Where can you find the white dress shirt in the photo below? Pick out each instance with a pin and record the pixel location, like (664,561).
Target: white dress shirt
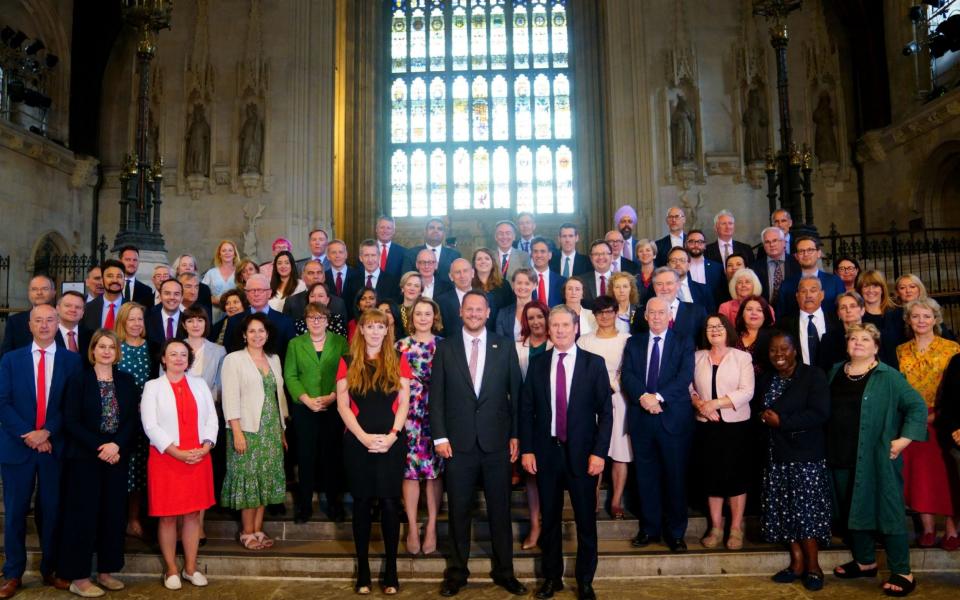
(65,331)
(51,351)
(427,291)
(674,307)
(568,363)
(676,240)
(698,270)
(460,295)
(436,251)
(819,321)
(726,249)
(106,309)
(500,255)
(546,284)
(374,275)
(129,283)
(572,257)
(684,293)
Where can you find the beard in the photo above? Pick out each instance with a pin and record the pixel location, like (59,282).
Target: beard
(626,231)
(695,253)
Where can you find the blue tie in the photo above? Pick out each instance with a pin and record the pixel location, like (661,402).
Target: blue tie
(653,371)
(813,340)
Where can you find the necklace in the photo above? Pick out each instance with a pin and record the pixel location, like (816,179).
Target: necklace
(856,378)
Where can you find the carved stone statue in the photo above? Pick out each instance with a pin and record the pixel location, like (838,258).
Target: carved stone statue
(198,144)
(251,142)
(250,235)
(683,132)
(755,123)
(825,137)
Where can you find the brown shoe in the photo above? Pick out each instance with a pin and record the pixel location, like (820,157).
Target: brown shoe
(55,582)
(8,587)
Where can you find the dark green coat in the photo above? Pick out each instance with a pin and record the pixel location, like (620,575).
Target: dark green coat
(891,409)
(304,373)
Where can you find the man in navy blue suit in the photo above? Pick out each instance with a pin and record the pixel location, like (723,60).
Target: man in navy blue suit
(549,289)
(70,333)
(450,301)
(566,418)
(774,266)
(703,270)
(433,239)
(390,253)
(678,259)
(808,253)
(676,219)
(257,290)
(17,334)
(386,286)
(32,382)
(657,371)
(686,318)
(566,260)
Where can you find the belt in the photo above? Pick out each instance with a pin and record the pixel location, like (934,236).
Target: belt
(556,441)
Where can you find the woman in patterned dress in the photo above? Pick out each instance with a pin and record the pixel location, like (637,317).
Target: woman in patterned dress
(422,462)
(794,405)
(927,483)
(255,409)
(135,361)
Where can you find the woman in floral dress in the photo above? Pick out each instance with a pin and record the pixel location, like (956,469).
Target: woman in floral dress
(135,361)
(422,463)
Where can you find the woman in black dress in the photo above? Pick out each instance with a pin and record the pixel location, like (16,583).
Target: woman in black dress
(373,398)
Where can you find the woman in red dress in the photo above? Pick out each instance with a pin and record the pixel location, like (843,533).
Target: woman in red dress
(180,421)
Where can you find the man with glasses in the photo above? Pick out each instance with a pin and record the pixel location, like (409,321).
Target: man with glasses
(619,262)
(17,334)
(432,286)
(689,291)
(296,304)
(686,318)
(597,282)
(257,290)
(703,270)
(782,220)
(774,265)
(676,219)
(808,253)
(433,237)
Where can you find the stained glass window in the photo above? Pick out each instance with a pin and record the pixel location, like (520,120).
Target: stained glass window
(480,107)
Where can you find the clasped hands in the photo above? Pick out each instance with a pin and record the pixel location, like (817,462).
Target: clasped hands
(703,407)
(651,403)
(378,443)
(38,440)
(109,453)
(319,403)
(191,457)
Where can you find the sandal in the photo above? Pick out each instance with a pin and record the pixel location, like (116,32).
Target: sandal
(250,541)
(906,586)
(617,513)
(852,570)
(712,539)
(391,590)
(735,541)
(363,590)
(264,539)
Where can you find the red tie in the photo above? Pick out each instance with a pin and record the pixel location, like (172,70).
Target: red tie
(383,257)
(369,281)
(504,264)
(72,342)
(111,317)
(340,283)
(541,290)
(42,390)
(603,285)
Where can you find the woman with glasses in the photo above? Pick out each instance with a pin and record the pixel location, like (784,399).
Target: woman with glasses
(848,270)
(317,292)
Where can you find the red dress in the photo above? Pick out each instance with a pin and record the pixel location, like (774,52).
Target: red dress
(173,486)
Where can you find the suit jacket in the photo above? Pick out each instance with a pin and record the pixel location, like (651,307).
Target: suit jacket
(17,333)
(590,290)
(804,408)
(676,374)
(82,411)
(157,329)
(296,304)
(791,270)
(158,412)
(581,264)
(716,280)
(688,323)
(93,312)
(395,257)
(506,321)
(702,296)
(589,410)
(712,252)
(18,402)
(832,287)
(628,266)
(205,298)
(233,338)
(664,245)
(352,282)
(83,341)
(143,294)
(440,286)
(457,413)
(554,289)
(447,256)
(791,324)
(518,259)
(387,288)
(449,305)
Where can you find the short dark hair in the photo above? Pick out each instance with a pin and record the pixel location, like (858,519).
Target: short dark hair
(727,327)
(127,248)
(174,340)
(741,325)
(676,249)
(194,311)
(228,294)
(816,241)
(92,267)
(271,344)
(568,225)
(604,302)
(740,256)
(540,240)
(73,293)
(172,279)
(693,231)
(112,262)
(596,243)
(475,293)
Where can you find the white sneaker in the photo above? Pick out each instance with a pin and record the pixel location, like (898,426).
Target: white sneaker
(198,579)
(172,582)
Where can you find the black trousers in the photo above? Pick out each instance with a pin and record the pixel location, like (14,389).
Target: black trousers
(94,517)
(319,454)
(463,472)
(553,477)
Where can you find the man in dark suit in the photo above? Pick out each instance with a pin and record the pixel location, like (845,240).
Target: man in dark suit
(808,253)
(93,283)
(782,220)
(527,226)
(342,281)
(686,318)
(625,219)
(597,282)
(567,261)
(102,311)
(705,271)
(386,285)
(774,265)
(810,322)
(657,371)
(32,384)
(461,272)
(474,393)
(549,288)
(163,320)
(618,261)
(296,304)
(40,290)
(318,248)
(432,285)
(678,259)
(433,237)
(71,335)
(390,253)
(566,418)
(676,219)
(132,288)
(257,290)
(718,251)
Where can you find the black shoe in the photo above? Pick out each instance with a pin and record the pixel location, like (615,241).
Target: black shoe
(449,588)
(336,513)
(276,510)
(677,545)
(644,539)
(585,592)
(548,589)
(513,586)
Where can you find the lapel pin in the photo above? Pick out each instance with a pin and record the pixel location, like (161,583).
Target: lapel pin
(493,345)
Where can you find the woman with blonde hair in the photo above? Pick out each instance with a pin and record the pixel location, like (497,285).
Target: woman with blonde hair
(411,285)
(221,276)
(742,285)
(646,254)
(623,289)
(373,399)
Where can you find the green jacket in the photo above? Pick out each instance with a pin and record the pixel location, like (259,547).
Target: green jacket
(304,373)
(891,409)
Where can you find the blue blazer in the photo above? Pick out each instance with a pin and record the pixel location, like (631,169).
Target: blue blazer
(505,321)
(791,270)
(157,329)
(689,322)
(233,338)
(589,410)
(554,289)
(832,287)
(702,296)
(664,245)
(716,278)
(18,402)
(676,373)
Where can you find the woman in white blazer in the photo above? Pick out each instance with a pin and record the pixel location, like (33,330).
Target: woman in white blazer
(180,421)
(255,409)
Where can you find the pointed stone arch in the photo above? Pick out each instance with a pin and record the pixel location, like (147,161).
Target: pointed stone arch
(938,186)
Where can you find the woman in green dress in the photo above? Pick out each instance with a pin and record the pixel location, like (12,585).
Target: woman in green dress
(255,409)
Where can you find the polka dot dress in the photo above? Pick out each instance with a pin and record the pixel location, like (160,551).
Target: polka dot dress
(136,362)
(795,502)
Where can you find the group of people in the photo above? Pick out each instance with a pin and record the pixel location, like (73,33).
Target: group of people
(826,397)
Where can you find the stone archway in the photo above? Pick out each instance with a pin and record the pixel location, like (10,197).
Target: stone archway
(938,186)
(51,244)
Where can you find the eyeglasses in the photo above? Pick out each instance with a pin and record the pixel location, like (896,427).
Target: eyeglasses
(696,242)
(715,328)
(846,269)
(806,251)
(256,290)
(316,319)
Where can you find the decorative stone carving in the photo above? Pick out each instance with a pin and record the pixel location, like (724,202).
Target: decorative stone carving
(197,159)
(251,142)
(198,90)
(756,123)
(84,172)
(692,210)
(825,138)
(683,133)
(252,87)
(250,235)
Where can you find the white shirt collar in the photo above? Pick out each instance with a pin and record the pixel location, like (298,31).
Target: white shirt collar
(50,350)
(375,274)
